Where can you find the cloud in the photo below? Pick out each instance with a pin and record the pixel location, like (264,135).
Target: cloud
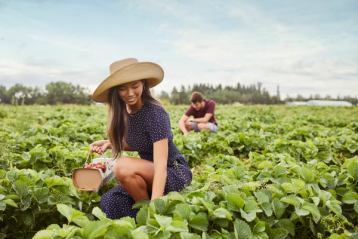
(262,49)
(12,72)
(202,42)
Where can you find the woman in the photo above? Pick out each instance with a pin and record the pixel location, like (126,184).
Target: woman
(137,122)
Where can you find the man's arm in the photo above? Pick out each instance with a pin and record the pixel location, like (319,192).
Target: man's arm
(204,119)
(209,113)
(182,122)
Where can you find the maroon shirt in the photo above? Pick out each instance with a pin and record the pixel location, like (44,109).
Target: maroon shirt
(208,108)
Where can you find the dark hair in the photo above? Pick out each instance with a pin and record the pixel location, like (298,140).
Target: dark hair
(196,97)
(118,116)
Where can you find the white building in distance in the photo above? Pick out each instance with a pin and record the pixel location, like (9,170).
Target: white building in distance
(321,103)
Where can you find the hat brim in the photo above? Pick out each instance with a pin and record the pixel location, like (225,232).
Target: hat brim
(148,71)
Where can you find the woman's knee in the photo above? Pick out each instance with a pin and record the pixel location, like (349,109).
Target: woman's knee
(122,170)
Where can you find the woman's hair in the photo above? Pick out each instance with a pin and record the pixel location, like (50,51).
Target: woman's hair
(118,116)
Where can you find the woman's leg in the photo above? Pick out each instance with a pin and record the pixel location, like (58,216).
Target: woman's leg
(117,203)
(135,175)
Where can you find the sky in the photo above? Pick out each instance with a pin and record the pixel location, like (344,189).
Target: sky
(304,47)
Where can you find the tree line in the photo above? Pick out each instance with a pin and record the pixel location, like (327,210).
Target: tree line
(55,93)
(252,94)
(66,93)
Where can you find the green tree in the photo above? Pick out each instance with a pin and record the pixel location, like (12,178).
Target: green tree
(66,93)
(4,97)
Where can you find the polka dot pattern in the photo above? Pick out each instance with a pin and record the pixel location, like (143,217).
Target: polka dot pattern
(148,125)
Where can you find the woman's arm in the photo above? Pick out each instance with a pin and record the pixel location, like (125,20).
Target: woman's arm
(126,147)
(160,160)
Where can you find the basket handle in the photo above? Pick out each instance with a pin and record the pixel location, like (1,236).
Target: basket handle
(88,157)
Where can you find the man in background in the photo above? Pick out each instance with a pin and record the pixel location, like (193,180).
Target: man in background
(202,111)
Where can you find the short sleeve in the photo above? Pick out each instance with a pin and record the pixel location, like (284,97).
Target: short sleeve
(159,125)
(190,111)
(211,107)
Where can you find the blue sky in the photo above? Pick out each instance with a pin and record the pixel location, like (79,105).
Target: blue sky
(305,47)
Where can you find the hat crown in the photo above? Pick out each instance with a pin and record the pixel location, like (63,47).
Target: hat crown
(117,65)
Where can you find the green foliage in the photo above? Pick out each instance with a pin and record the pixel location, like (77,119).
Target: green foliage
(252,94)
(56,93)
(270,172)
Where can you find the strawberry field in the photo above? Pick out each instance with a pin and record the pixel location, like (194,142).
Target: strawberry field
(270,172)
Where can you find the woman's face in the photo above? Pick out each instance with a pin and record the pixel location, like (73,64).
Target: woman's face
(131,93)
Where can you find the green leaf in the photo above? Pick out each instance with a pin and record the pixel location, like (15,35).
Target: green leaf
(187,235)
(55,181)
(266,206)
(10,202)
(175,196)
(183,210)
(298,184)
(265,165)
(334,206)
(350,197)
(288,187)
(207,204)
(163,221)
(288,225)
(235,201)
(21,188)
(96,229)
(260,226)
(313,209)
(249,217)
(278,233)
(141,203)
(352,167)
(139,233)
(142,216)
(278,207)
(261,197)
(121,228)
(99,214)
(301,212)
(292,200)
(339,236)
(41,194)
(178,226)
(251,205)
(242,230)
(199,222)
(307,174)
(2,206)
(222,213)
(44,234)
(159,206)
(73,215)
(315,200)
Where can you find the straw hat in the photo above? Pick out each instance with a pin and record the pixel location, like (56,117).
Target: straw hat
(125,71)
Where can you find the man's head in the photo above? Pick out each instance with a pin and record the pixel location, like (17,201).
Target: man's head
(197,100)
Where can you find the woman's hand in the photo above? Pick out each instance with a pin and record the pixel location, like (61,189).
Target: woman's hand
(100,146)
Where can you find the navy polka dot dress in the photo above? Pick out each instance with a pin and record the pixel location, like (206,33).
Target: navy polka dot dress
(148,125)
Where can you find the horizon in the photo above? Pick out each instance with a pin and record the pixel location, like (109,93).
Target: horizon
(305,48)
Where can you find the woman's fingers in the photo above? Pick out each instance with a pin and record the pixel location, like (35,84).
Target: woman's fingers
(99,147)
